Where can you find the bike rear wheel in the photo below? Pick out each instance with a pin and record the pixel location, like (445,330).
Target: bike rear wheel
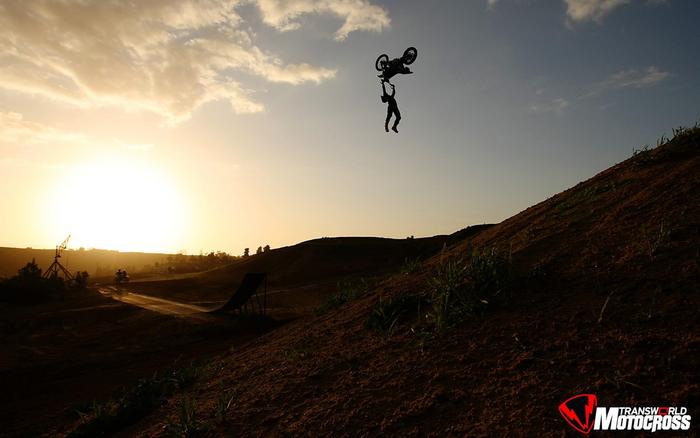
(409,55)
(381,62)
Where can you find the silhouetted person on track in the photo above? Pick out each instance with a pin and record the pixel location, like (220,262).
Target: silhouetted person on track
(392,107)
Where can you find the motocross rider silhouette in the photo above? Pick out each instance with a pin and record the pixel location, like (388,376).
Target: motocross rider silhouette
(392,107)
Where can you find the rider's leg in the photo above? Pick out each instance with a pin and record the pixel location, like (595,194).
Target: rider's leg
(389,112)
(397,113)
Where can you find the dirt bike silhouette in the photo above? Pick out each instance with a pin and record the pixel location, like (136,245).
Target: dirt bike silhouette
(389,69)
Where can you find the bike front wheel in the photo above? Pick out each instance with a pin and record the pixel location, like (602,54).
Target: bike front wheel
(381,62)
(409,55)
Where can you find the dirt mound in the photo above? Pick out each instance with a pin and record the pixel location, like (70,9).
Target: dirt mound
(605,301)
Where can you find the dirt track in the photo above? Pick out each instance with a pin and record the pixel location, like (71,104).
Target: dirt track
(154,304)
(201,308)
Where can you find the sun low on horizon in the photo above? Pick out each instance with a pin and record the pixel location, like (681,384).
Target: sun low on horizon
(218,125)
(118,204)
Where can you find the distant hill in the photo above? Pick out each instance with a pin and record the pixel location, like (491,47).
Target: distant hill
(95,261)
(318,263)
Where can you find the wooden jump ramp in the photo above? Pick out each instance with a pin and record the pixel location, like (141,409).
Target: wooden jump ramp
(246,298)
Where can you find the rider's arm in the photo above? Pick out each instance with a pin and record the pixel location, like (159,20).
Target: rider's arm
(393,91)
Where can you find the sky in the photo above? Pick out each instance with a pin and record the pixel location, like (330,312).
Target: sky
(184,125)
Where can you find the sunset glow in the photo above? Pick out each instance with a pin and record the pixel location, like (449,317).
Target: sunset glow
(217,125)
(119,204)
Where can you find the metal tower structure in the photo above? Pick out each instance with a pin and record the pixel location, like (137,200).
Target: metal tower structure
(56,267)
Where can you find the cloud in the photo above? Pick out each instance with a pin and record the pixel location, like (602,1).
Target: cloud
(356,14)
(591,10)
(165,56)
(637,79)
(491,4)
(632,78)
(557,106)
(14,128)
(578,11)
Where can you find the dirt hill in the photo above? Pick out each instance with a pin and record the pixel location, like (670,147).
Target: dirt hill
(303,275)
(593,290)
(94,261)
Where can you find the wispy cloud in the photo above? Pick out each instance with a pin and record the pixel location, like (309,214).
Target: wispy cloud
(591,10)
(556,106)
(14,128)
(165,56)
(579,11)
(632,78)
(357,15)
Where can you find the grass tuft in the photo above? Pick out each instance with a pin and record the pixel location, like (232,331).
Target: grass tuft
(347,291)
(410,265)
(460,289)
(133,404)
(685,141)
(223,403)
(387,313)
(187,424)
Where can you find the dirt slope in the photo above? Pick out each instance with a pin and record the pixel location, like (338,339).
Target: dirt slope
(628,236)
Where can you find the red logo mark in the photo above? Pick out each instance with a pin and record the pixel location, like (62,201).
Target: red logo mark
(578,411)
(663,411)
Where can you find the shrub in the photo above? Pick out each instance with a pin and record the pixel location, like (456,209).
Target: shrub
(28,286)
(30,271)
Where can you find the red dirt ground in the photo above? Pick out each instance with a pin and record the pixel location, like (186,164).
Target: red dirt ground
(57,357)
(505,372)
